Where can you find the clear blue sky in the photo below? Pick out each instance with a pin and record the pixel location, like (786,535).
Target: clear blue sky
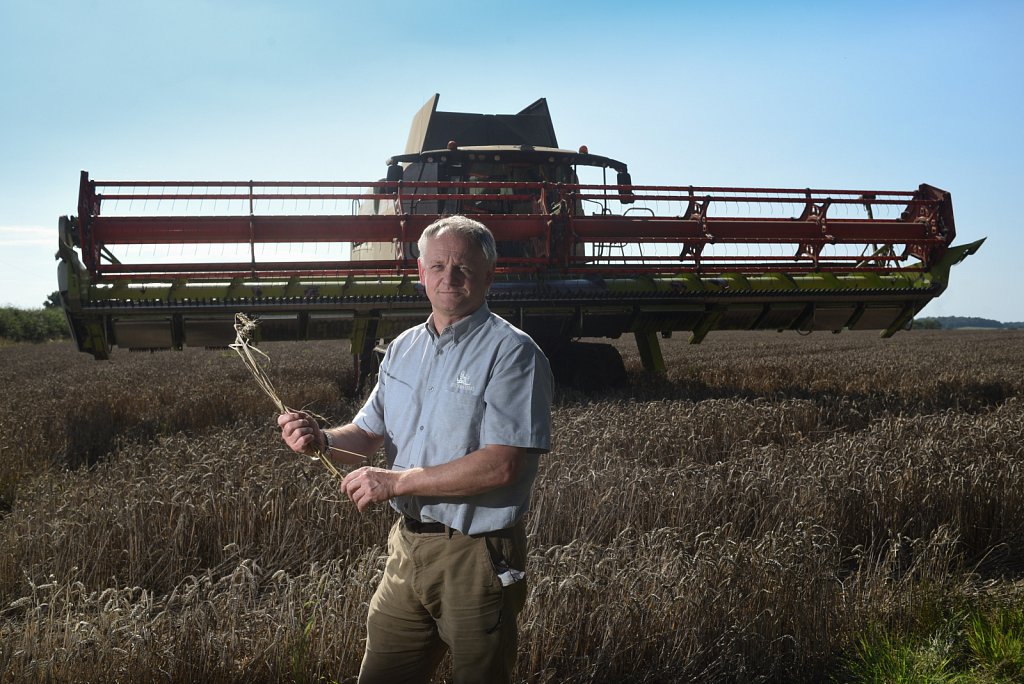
(879,95)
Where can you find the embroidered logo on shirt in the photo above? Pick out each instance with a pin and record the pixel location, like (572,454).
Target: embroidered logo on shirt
(463,383)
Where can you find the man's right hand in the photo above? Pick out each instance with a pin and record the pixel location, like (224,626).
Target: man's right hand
(301,433)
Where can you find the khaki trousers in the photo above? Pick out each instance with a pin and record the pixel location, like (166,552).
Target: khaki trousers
(441,592)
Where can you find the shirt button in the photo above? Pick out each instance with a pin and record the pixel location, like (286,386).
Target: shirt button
(430,389)
(421,428)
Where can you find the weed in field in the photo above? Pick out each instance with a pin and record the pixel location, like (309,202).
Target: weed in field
(996,643)
(986,645)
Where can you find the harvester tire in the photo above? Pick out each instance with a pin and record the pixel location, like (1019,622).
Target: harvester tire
(589,366)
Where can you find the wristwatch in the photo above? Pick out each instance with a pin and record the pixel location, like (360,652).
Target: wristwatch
(327,439)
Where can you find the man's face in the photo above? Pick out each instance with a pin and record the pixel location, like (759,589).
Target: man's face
(455,275)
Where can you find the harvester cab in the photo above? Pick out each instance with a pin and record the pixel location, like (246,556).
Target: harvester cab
(164,264)
(500,160)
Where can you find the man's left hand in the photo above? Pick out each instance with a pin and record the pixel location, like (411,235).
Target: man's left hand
(369,485)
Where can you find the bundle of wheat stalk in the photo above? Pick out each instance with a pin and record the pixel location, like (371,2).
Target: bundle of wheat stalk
(245,327)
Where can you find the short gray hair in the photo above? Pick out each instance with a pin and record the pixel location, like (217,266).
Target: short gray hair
(474,231)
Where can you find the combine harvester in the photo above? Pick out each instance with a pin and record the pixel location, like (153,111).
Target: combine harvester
(160,265)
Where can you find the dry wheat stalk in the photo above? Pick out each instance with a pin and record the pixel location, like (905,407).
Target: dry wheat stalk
(244,329)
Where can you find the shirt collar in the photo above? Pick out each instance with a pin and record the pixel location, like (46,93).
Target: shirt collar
(460,328)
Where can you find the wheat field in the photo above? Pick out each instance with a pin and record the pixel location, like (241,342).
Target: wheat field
(744,519)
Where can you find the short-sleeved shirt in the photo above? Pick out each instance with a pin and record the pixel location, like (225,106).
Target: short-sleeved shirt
(440,396)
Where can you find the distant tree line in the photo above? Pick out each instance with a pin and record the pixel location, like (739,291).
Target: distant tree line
(34,325)
(952,322)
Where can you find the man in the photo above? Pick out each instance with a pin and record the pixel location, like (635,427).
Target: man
(462,407)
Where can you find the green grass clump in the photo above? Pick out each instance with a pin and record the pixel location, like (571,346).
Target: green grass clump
(997,645)
(985,646)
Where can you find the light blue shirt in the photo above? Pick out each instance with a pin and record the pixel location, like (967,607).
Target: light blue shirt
(441,396)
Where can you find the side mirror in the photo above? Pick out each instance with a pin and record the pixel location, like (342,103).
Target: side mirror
(395,175)
(626,193)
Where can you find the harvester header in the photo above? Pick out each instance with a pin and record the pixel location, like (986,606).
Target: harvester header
(162,264)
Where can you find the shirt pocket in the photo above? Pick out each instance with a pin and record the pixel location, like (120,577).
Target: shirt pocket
(459,416)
